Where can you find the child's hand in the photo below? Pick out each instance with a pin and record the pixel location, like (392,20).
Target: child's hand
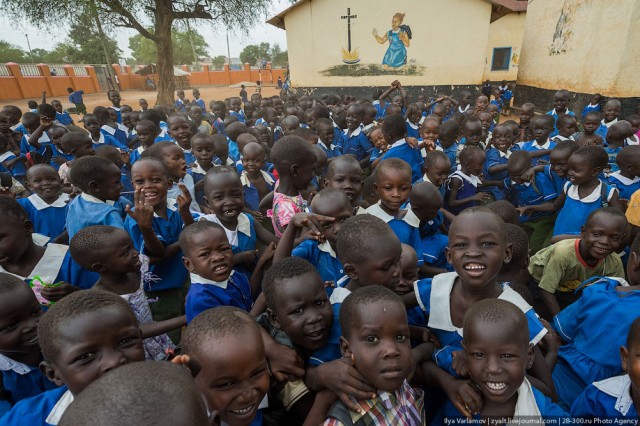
(528,176)
(59,160)
(311,221)
(186,361)
(184,200)
(143,213)
(465,397)
(45,121)
(412,142)
(459,363)
(267,253)
(523,211)
(429,337)
(481,197)
(342,378)
(257,215)
(284,363)
(53,294)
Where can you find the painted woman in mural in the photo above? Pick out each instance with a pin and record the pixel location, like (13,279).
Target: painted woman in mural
(399,37)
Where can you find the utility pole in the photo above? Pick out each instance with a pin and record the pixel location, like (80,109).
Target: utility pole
(228,51)
(29,45)
(193,49)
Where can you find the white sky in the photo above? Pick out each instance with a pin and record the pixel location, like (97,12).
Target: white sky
(14,33)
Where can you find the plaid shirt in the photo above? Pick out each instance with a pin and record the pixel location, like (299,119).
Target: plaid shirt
(404,407)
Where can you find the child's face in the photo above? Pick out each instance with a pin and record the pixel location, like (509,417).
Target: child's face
(144,105)
(234,377)
(439,171)
(56,135)
(114,97)
(220,111)
(225,197)
(603,234)
(481,103)
(560,162)
(209,255)
(253,161)
(382,266)
(591,123)
(610,112)
(393,187)
(560,101)
(346,177)
(5,123)
(57,106)
(430,130)
(289,128)
(45,182)
(196,94)
(414,115)
(180,94)
(477,249)
(119,254)
(398,100)
(337,210)
(195,114)
(83,149)
(580,171)
(146,135)
(152,180)
(486,119)
(325,134)
(173,159)
(93,344)
(541,131)
(303,311)
(498,358)
(493,110)
(409,268)
(474,165)
(517,170)
(180,131)
(354,118)
(567,129)
(203,150)
(472,133)
(465,99)
(370,116)
(526,114)
(378,140)
(110,186)
(92,125)
(113,116)
(379,344)
(501,138)
(235,105)
(20,313)
(265,135)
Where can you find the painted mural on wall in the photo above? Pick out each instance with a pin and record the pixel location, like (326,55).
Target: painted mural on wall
(395,59)
(564,26)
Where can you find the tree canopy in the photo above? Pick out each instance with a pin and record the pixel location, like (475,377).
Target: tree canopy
(218,62)
(254,53)
(10,53)
(144,50)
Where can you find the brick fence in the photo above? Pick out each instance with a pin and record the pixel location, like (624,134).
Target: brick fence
(20,81)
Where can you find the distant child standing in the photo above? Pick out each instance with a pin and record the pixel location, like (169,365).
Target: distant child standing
(62,116)
(593,105)
(394,132)
(541,146)
(610,114)
(495,166)
(75,97)
(527,112)
(353,141)
(243,93)
(181,103)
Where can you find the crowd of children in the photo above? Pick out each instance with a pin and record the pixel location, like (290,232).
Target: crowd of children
(319,260)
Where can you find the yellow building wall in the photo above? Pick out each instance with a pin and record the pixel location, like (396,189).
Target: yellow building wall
(582,45)
(505,32)
(448,44)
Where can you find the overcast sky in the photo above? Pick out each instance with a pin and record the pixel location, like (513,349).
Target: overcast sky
(14,33)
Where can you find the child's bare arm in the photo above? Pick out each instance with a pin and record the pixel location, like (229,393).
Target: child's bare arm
(558,203)
(544,207)
(455,186)
(143,215)
(283,360)
(321,406)
(615,202)
(497,168)
(262,234)
(45,123)
(386,93)
(156,328)
(299,221)
(342,378)
(184,201)
(267,202)
(550,301)
(540,369)
(463,393)
(427,271)
(259,306)
(539,153)
(256,277)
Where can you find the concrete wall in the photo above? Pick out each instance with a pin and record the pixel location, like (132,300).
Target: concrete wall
(448,44)
(18,86)
(584,46)
(505,32)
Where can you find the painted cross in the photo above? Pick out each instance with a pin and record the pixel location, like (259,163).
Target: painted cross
(349,17)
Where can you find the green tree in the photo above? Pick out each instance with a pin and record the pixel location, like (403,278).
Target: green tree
(230,14)
(255,52)
(279,58)
(11,53)
(144,50)
(87,45)
(218,62)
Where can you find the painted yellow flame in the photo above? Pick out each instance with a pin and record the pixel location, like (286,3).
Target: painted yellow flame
(350,56)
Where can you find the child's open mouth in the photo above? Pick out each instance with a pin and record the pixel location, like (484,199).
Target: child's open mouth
(474,269)
(230,213)
(243,411)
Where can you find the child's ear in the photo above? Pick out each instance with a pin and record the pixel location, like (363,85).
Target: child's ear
(28,226)
(344,348)
(596,171)
(94,186)
(583,230)
(50,372)
(170,182)
(273,319)
(294,170)
(530,356)
(447,254)
(98,267)
(187,263)
(624,357)
(350,271)
(325,183)
(508,251)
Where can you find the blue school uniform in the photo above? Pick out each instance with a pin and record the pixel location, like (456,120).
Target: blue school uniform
(47,219)
(22,381)
(174,192)
(558,182)
(199,102)
(495,157)
(532,407)
(243,238)
(239,115)
(170,273)
(594,327)
(322,257)
(626,187)
(606,399)
(533,146)
(18,170)
(234,152)
(402,150)
(612,153)
(406,229)
(205,294)
(554,114)
(451,152)
(64,118)
(496,103)
(432,242)
(332,151)
(135,154)
(197,174)
(433,297)
(575,210)
(468,189)
(45,409)
(56,265)
(413,130)
(604,128)
(108,139)
(44,141)
(442,189)
(219,126)
(356,144)
(218,162)
(87,210)
(331,350)
(118,113)
(251,195)
(180,105)
(590,108)
(540,191)
(119,135)
(57,154)
(127,185)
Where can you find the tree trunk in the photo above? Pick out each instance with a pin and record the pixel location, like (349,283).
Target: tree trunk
(164,46)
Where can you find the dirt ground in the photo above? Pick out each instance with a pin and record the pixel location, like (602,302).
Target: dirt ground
(131,97)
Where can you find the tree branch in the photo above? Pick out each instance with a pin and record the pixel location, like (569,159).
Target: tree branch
(126,18)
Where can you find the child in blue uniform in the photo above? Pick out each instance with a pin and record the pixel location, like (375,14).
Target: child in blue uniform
(594,328)
(410,274)
(146,133)
(567,126)
(99,138)
(235,111)
(495,166)
(353,141)
(627,179)
(100,182)
(47,206)
(426,205)
(616,397)
(9,162)
(181,103)
(412,121)
(209,260)
(62,116)
(585,192)
(326,136)
(181,133)
(498,355)
(560,108)
(256,182)
(110,128)
(345,174)
(394,132)
(462,189)
(203,149)
(610,114)
(19,353)
(393,183)
(85,319)
(114,98)
(75,97)
(37,265)
(594,105)
(540,147)
(534,200)
(447,141)
(225,199)
(333,207)
(234,130)
(477,250)
(616,139)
